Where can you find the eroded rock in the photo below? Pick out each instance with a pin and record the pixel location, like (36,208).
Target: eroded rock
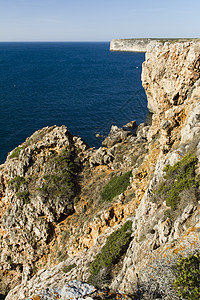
(115,136)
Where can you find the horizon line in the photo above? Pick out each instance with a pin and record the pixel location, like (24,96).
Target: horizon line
(98,41)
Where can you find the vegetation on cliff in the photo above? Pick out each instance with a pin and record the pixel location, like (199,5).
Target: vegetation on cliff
(16,152)
(187,281)
(116,186)
(59,180)
(116,245)
(179,178)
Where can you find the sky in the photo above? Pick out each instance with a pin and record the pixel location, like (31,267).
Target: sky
(97,20)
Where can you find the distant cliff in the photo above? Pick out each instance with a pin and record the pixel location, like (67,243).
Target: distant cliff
(131,45)
(140,45)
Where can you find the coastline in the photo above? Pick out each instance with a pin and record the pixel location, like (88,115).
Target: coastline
(143,44)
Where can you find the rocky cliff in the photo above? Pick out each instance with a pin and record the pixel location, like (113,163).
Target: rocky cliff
(119,217)
(142,44)
(132,45)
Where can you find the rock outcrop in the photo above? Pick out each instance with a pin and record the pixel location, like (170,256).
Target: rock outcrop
(170,82)
(63,204)
(172,85)
(132,45)
(38,186)
(141,44)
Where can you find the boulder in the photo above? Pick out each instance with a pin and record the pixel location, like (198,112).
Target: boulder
(116,135)
(101,157)
(131,124)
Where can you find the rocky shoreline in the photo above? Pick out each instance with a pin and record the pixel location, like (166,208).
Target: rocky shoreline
(64,205)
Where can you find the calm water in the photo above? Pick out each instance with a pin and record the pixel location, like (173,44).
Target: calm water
(81,85)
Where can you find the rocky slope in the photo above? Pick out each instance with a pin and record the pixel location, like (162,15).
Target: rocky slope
(118,217)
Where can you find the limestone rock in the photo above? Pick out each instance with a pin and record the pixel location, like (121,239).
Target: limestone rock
(72,290)
(35,195)
(131,124)
(168,73)
(142,131)
(191,130)
(78,290)
(101,157)
(115,136)
(132,45)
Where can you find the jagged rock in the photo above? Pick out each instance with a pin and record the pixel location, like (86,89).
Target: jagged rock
(78,290)
(142,131)
(98,135)
(56,278)
(101,157)
(166,124)
(115,136)
(191,130)
(164,229)
(72,290)
(157,241)
(35,195)
(168,73)
(131,124)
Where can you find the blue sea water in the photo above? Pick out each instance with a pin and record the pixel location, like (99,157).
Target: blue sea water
(81,85)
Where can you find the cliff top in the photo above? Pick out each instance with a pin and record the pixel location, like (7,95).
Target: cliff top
(143,44)
(174,40)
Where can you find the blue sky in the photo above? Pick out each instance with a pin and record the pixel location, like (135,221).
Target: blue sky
(97,20)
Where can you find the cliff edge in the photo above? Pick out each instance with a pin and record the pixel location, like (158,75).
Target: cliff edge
(142,44)
(131,45)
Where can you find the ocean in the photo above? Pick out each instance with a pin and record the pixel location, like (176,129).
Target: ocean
(81,85)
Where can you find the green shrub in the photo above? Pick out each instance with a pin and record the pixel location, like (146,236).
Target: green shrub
(187,280)
(62,256)
(60,176)
(24,196)
(16,152)
(68,268)
(17,182)
(168,214)
(116,186)
(179,177)
(116,245)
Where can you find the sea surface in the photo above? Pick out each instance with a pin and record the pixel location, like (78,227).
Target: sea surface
(81,85)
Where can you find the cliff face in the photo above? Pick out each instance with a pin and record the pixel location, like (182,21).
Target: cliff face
(142,44)
(169,82)
(132,45)
(58,218)
(38,185)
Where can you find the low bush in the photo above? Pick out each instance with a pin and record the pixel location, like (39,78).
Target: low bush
(116,186)
(116,245)
(24,196)
(17,182)
(59,179)
(16,152)
(179,177)
(187,282)
(68,268)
